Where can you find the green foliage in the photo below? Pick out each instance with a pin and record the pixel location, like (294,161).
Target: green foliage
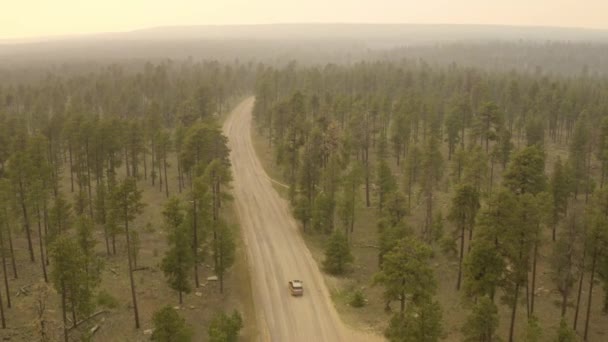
(535,132)
(438,227)
(337,254)
(502,149)
(224,328)
(302,210)
(465,205)
(386,182)
(348,197)
(126,200)
(448,246)
(178,261)
(60,218)
(224,248)
(487,123)
(357,299)
(135,245)
(323,213)
(69,275)
(526,172)
(565,333)
(420,323)
(173,214)
(483,269)
(170,327)
(203,143)
(87,242)
(476,168)
(579,152)
(533,331)
(560,188)
(106,300)
(405,272)
(482,323)
(389,236)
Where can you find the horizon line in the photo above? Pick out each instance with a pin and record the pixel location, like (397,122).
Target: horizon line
(76,35)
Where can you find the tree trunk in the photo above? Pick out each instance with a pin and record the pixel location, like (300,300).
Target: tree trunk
(534,276)
(402,297)
(166,181)
(2,313)
(4,273)
(195,243)
(145,163)
(26,221)
(133,294)
(71,167)
(41,243)
(589,300)
(65,317)
(89,179)
(367,199)
(160,174)
(221,271)
(564,301)
(152,174)
(127,167)
(45,213)
(10,246)
(106,236)
(114,244)
(179,175)
(461,257)
(513,313)
(580,291)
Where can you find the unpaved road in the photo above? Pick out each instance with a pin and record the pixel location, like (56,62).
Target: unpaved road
(276,251)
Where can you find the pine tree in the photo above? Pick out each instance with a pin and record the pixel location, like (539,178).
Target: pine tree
(420,323)
(223,250)
(170,327)
(70,279)
(465,205)
(481,325)
(405,273)
(565,333)
(126,203)
(224,328)
(559,187)
(337,254)
(178,260)
(348,198)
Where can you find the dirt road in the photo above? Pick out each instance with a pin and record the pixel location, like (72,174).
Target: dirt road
(277,252)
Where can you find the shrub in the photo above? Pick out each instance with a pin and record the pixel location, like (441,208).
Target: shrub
(224,328)
(357,300)
(106,300)
(169,326)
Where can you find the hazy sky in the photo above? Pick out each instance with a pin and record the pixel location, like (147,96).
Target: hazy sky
(29,18)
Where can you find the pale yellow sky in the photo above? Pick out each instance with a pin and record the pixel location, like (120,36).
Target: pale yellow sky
(31,18)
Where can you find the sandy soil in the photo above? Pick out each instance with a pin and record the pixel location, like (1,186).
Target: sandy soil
(276,251)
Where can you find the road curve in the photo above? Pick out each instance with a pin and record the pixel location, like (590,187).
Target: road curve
(276,251)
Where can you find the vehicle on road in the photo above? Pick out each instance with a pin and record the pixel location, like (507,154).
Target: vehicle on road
(296,287)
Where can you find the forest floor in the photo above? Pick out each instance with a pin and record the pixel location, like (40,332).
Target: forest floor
(117,323)
(364,248)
